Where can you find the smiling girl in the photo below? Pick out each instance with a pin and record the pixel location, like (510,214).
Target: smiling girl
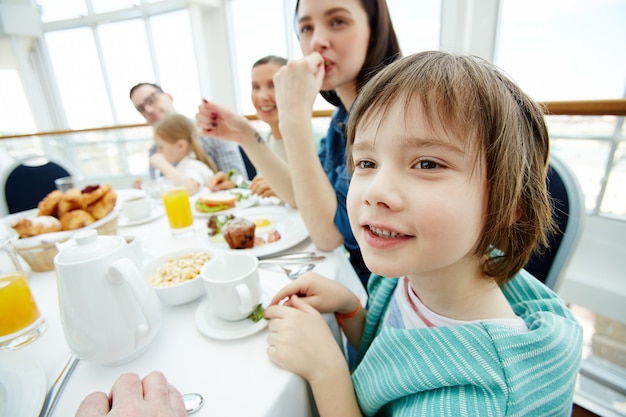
(448,195)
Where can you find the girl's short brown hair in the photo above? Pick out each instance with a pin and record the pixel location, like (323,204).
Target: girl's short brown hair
(471,98)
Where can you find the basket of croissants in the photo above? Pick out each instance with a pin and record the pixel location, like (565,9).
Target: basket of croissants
(58,216)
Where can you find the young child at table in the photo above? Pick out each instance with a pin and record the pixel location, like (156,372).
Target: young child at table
(179,154)
(448,193)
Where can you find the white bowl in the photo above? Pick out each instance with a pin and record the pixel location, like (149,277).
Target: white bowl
(184,292)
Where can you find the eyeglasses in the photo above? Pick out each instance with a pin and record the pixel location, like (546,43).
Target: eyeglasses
(149,101)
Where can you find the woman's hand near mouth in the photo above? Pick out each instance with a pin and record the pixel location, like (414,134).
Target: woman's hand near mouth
(297,85)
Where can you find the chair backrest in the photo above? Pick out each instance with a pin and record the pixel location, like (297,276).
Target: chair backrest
(569,213)
(30,181)
(251,170)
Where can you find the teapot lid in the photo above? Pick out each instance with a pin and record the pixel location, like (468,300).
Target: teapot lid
(89,246)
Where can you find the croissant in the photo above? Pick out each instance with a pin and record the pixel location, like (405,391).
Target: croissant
(34,226)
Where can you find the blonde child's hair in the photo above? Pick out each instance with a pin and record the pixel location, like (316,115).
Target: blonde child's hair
(176,126)
(470,98)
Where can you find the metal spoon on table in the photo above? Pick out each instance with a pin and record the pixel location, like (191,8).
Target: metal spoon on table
(285,261)
(193,402)
(294,271)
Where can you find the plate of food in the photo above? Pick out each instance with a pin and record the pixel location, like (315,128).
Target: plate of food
(259,230)
(206,204)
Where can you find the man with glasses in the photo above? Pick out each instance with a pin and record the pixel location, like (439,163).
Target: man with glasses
(153,103)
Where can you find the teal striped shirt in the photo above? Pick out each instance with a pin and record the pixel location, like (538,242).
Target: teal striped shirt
(478,369)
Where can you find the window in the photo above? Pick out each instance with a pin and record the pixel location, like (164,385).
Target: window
(16,116)
(125,63)
(52,10)
(417,24)
(570,51)
(79,78)
(175,60)
(95,61)
(269,38)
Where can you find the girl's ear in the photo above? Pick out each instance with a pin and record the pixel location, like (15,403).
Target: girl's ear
(181,144)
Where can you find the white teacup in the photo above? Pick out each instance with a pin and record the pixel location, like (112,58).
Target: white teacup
(232,284)
(135,208)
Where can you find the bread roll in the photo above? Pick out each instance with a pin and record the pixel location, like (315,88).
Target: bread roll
(34,226)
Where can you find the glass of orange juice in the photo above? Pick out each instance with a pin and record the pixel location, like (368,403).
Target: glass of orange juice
(176,201)
(20,320)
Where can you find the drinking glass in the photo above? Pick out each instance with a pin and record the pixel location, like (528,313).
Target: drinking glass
(65,183)
(176,201)
(20,319)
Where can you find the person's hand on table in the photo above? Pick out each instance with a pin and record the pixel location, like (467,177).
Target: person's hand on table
(220,181)
(259,186)
(133,397)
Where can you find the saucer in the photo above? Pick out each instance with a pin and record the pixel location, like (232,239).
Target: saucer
(22,386)
(216,328)
(156,211)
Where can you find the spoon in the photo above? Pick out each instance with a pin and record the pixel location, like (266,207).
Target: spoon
(193,402)
(273,261)
(295,271)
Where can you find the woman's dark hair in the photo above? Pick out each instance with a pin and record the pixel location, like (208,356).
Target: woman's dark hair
(383,48)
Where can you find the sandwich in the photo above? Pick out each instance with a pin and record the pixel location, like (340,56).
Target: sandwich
(214,202)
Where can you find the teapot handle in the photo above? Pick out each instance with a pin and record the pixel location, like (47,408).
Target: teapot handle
(143,308)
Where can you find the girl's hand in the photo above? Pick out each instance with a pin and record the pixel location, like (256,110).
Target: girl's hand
(260,187)
(301,341)
(297,84)
(220,122)
(159,161)
(321,293)
(220,182)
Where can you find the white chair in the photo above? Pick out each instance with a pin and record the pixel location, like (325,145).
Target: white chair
(569,213)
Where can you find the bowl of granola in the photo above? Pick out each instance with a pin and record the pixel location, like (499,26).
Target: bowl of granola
(175,275)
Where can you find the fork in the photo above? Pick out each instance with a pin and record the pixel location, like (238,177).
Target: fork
(57,387)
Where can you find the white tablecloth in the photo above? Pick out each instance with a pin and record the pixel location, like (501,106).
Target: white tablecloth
(235,377)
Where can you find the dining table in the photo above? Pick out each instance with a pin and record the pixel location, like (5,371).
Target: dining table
(235,377)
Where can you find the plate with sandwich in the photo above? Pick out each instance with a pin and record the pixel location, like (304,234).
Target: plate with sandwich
(207,203)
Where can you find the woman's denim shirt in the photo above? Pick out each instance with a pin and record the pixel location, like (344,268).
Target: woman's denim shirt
(332,155)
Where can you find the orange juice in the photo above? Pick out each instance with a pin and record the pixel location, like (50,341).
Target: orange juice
(17,306)
(177,207)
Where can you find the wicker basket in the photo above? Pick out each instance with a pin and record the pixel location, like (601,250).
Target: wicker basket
(40,258)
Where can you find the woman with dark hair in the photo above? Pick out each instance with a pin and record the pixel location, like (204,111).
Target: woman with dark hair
(344,43)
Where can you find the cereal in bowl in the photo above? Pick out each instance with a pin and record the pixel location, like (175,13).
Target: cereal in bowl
(177,270)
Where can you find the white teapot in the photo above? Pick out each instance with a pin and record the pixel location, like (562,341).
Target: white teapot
(109,311)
